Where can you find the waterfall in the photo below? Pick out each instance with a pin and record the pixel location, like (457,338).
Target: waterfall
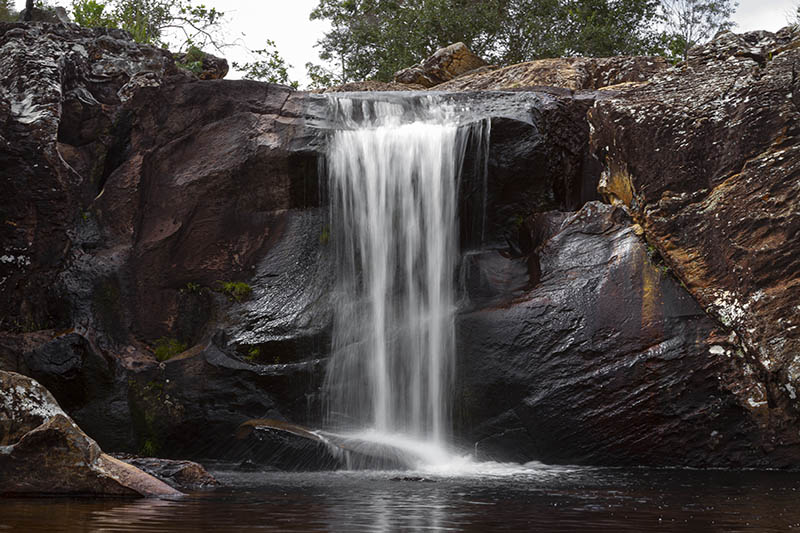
(394,169)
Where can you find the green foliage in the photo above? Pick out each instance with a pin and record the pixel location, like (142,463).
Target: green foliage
(325,236)
(691,22)
(153,412)
(193,60)
(253,354)
(193,288)
(320,77)
(7,12)
(656,259)
(167,348)
(267,65)
(92,14)
(375,38)
(149,448)
(235,290)
(148,20)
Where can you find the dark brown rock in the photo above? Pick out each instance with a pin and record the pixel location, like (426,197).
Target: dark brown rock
(607,360)
(706,158)
(202,64)
(445,64)
(182,475)
(43,452)
(58,94)
(568,72)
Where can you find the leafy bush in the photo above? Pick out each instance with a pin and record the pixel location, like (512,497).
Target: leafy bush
(167,348)
(147,20)
(267,65)
(193,60)
(235,290)
(92,14)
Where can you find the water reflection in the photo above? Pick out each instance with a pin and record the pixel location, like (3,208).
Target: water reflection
(539,499)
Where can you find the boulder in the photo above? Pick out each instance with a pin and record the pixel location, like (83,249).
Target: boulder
(181,475)
(42,451)
(286,446)
(202,64)
(191,405)
(706,159)
(445,64)
(567,72)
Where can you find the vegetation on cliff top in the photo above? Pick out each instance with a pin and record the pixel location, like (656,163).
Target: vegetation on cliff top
(7,13)
(372,39)
(148,20)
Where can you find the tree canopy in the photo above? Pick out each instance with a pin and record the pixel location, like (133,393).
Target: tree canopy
(690,22)
(372,39)
(267,65)
(148,20)
(7,12)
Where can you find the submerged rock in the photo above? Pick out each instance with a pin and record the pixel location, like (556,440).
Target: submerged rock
(42,451)
(182,475)
(287,446)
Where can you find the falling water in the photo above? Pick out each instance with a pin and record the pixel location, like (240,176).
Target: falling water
(394,170)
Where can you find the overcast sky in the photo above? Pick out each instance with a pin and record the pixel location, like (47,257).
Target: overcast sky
(251,22)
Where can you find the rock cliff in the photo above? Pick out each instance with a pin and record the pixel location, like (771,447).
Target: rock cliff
(165,268)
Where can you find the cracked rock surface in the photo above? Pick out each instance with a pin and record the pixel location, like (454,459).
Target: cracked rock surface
(706,157)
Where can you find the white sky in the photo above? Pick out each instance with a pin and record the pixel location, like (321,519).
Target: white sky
(251,22)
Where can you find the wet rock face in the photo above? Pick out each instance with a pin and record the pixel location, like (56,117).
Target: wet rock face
(42,451)
(213,166)
(706,158)
(191,405)
(607,360)
(58,91)
(136,192)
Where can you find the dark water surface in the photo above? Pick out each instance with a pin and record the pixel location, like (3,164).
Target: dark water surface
(533,499)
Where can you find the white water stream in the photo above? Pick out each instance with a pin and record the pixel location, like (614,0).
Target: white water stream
(394,171)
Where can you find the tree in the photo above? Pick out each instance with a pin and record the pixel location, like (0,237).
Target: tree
(375,38)
(148,20)
(92,14)
(690,22)
(321,77)
(7,13)
(268,65)
(28,10)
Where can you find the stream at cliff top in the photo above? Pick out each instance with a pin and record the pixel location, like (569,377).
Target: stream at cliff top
(530,498)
